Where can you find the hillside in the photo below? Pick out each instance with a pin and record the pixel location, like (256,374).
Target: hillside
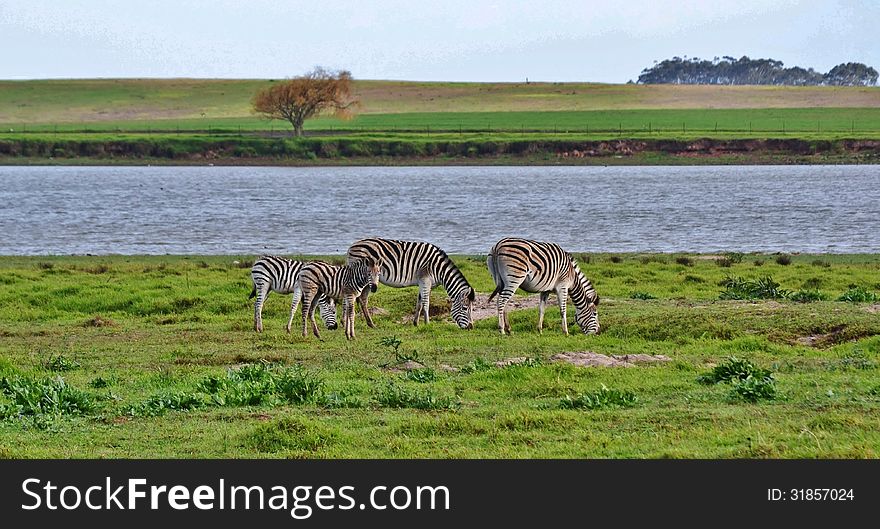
(130,100)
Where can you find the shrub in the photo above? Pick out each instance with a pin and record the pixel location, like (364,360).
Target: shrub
(394,396)
(858,295)
(421,375)
(615,259)
(158,405)
(60,363)
(807,296)
(821,263)
(734,257)
(50,397)
(733,369)
(753,389)
(476,365)
(641,295)
(763,288)
(263,384)
(602,398)
(724,262)
(783,259)
(758,262)
(684,261)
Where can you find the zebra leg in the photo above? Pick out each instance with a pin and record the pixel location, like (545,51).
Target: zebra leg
(262,293)
(362,301)
(312,309)
(562,294)
(503,298)
(541,305)
(308,298)
(423,302)
(348,315)
(294,303)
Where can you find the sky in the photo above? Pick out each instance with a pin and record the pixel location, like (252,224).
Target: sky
(455,40)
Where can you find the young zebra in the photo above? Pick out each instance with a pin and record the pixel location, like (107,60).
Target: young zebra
(270,273)
(409,263)
(541,267)
(343,283)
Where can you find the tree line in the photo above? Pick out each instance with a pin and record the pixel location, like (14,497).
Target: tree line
(730,71)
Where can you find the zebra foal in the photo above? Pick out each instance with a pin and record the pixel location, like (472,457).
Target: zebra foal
(271,273)
(341,283)
(410,263)
(541,267)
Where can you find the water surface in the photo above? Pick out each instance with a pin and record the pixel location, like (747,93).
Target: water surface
(252,210)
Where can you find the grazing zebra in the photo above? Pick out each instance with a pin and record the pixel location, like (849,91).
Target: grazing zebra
(541,267)
(342,283)
(271,273)
(409,263)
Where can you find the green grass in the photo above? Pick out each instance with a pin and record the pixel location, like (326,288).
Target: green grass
(155,356)
(172,105)
(742,122)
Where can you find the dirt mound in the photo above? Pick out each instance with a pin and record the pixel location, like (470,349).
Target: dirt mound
(591,359)
(403,367)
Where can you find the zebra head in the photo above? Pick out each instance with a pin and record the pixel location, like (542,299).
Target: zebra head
(365,273)
(587,316)
(462,308)
(327,308)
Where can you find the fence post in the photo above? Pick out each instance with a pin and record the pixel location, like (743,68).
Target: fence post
(750,127)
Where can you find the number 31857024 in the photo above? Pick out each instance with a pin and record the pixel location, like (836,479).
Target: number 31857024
(820,494)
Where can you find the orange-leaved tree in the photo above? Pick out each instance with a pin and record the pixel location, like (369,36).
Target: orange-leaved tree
(300,98)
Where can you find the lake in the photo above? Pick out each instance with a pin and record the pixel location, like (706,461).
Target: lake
(254,210)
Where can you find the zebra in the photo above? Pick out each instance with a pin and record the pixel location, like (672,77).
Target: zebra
(271,273)
(541,267)
(341,283)
(409,263)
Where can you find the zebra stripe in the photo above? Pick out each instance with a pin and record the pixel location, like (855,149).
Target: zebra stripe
(541,267)
(341,283)
(410,263)
(271,273)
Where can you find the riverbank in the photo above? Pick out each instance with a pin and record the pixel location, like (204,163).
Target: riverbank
(440,149)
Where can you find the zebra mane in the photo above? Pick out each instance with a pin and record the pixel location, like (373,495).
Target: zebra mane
(453,275)
(582,287)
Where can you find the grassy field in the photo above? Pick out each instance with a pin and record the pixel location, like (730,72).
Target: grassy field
(158,359)
(172,104)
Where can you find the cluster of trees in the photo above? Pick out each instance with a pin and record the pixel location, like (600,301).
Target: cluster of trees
(744,70)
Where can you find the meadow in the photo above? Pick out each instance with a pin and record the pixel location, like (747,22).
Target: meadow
(155,356)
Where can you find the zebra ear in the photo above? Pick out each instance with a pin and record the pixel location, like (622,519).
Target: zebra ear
(472,295)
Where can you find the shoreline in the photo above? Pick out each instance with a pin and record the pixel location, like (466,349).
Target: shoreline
(354,151)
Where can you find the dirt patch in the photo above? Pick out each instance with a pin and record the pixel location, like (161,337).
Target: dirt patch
(99,321)
(511,361)
(873,309)
(404,367)
(592,359)
(838,334)
(483,308)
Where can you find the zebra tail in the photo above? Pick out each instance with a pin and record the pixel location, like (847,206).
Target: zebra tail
(493,270)
(253,293)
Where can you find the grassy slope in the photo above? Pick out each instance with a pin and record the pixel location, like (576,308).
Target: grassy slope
(178,319)
(199,104)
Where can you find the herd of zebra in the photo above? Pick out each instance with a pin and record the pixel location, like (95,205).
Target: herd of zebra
(533,266)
